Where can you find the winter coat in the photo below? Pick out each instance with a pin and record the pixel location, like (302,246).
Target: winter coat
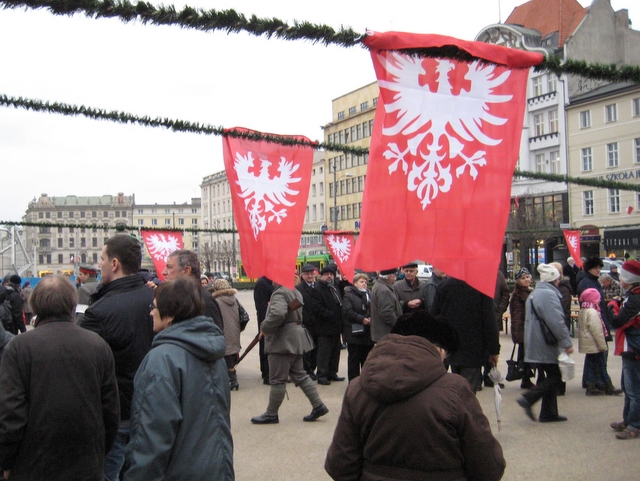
(406,418)
(180,423)
(228,304)
(546,299)
(211,308)
(591,340)
(261,296)
(14,296)
(585,280)
(59,409)
(564,288)
(501,298)
(86,289)
(356,305)
(407,292)
(626,320)
(326,304)
(5,337)
(25,295)
(308,317)
(385,309)
(284,333)
(119,313)
(516,311)
(474,317)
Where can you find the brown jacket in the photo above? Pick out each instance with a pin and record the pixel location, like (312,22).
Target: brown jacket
(406,418)
(516,310)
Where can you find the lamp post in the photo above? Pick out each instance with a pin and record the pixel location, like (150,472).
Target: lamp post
(335,192)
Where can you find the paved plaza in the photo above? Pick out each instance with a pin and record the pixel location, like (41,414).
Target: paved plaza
(584,448)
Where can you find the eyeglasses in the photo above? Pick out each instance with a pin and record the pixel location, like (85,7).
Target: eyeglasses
(152,306)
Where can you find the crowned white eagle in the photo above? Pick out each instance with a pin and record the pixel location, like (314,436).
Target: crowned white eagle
(421,112)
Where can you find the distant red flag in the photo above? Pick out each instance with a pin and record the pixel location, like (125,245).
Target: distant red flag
(161,243)
(342,245)
(517,202)
(572,238)
(269,186)
(443,151)
(629,209)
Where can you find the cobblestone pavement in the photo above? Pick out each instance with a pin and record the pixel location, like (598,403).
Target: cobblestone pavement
(584,448)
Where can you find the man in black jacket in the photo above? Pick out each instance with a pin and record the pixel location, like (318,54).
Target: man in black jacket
(120,314)
(12,283)
(261,296)
(309,359)
(326,304)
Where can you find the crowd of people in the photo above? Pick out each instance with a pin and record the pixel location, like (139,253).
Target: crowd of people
(124,378)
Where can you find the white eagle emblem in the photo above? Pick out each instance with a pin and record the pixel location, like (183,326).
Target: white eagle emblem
(161,245)
(265,198)
(573,241)
(340,246)
(452,119)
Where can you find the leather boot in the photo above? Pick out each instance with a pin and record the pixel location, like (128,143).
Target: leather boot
(592,390)
(612,391)
(233,380)
(276,396)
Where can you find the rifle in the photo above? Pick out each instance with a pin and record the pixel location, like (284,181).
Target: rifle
(291,306)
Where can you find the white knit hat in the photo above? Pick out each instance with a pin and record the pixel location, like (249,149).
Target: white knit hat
(630,272)
(548,273)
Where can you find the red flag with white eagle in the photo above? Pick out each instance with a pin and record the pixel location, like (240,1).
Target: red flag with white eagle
(161,243)
(572,238)
(443,150)
(342,245)
(269,185)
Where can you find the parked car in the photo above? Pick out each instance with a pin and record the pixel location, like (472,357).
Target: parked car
(608,263)
(425,271)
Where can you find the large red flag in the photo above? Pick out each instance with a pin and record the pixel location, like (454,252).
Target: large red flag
(269,189)
(572,238)
(342,246)
(161,243)
(443,150)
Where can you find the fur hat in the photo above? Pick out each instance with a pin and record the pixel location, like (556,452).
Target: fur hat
(630,272)
(592,262)
(548,273)
(410,265)
(421,323)
(221,284)
(387,272)
(15,279)
(522,272)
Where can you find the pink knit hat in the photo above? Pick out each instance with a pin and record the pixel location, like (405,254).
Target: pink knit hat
(590,295)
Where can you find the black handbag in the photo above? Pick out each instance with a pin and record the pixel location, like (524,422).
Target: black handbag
(244,317)
(515,369)
(549,336)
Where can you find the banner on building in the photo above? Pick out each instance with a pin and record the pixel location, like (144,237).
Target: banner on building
(161,243)
(443,150)
(269,186)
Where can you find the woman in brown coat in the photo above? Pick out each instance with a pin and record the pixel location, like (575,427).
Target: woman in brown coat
(516,311)
(225,296)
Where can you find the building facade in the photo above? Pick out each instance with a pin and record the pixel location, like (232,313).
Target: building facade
(169,216)
(352,124)
(312,243)
(60,248)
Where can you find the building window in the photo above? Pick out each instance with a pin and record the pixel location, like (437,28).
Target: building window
(59,215)
(94,242)
(365,130)
(72,242)
(636,107)
(140,211)
(375,102)
(154,221)
(537,86)
(105,214)
(587,159)
(60,259)
(313,190)
(636,149)
(44,230)
(322,211)
(167,222)
(611,113)
(59,230)
(538,120)
(60,243)
(40,215)
(95,257)
(83,242)
(553,121)
(45,243)
(358,131)
(306,214)
(94,214)
(553,83)
(48,215)
(181,221)
(614,201)
(364,105)
(194,222)
(352,110)
(321,188)
(117,213)
(585,119)
(341,115)
(612,155)
(587,201)
(70,215)
(167,211)
(554,158)
(540,163)
(140,222)
(82,214)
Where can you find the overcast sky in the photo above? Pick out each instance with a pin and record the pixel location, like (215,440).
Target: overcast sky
(282,87)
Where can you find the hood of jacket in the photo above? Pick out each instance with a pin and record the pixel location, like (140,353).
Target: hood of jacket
(225,295)
(198,336)
(399,367)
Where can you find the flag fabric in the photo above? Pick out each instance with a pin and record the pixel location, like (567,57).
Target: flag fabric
(269,185)
(629,209)
(443,151)
(161,243)
(572,238)
(342,245)
(517,202)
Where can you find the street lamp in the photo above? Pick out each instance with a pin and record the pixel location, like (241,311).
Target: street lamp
(335,192)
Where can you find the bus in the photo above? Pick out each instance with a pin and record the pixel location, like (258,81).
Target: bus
(317,260)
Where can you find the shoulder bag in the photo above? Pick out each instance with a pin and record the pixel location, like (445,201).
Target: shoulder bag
(549,336)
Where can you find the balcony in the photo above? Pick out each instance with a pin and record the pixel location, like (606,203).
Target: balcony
(542,101)
(544,141)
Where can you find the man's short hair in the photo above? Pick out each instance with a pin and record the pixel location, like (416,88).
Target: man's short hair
(180,299)
(187,258)
(127,250)
(54,296)
(606,277)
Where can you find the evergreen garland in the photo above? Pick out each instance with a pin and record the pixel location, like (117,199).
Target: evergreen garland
(231,21)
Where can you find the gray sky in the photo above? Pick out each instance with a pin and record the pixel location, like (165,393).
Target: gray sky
(234,80)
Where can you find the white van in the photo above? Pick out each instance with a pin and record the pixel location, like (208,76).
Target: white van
(424,271)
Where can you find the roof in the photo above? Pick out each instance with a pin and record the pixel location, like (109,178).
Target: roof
(549,16)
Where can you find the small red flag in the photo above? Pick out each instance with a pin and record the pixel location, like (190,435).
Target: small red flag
(161,243)
(269,185)
(629,210)
(443,150)
(342,245)
(572,238)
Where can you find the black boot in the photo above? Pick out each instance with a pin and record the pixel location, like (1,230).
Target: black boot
(233,380)
(592,390)
(612,391)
